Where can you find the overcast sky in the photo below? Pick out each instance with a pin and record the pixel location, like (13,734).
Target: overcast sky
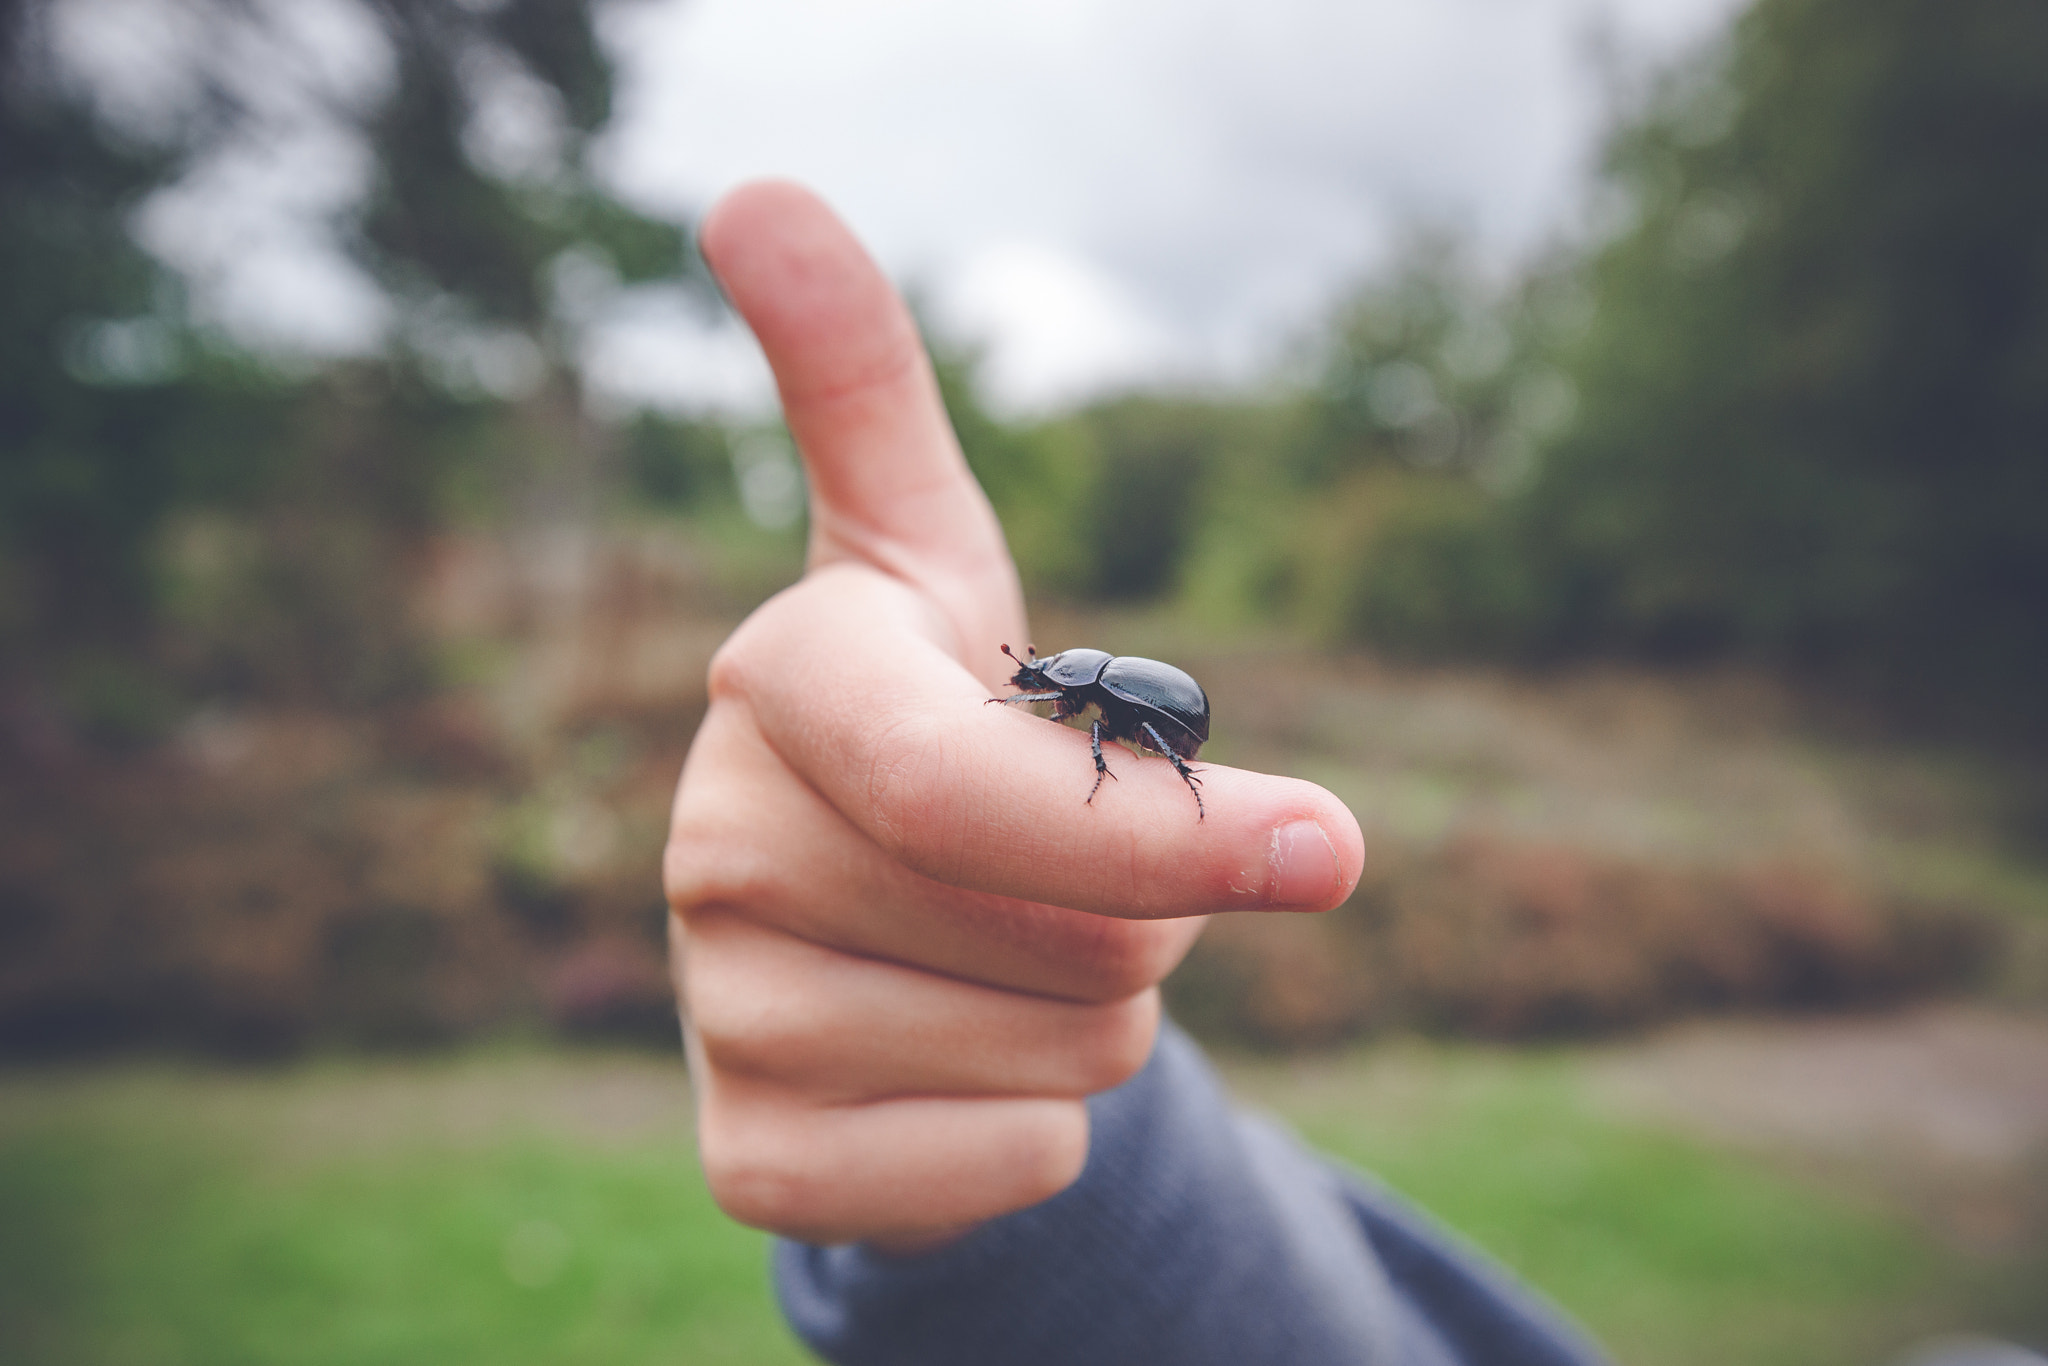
(1105,192)
(1109,191)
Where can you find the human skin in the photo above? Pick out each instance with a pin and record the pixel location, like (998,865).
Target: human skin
(906,949)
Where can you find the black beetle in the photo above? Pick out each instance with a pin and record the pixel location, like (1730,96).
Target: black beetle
(1142,702)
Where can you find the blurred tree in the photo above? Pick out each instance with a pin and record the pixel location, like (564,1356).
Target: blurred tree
(676,464)
(509,244)
(1433,388)
(1428,364)
(1036,475)
(1152,459)
(1414,369)
(183,521)
(1814,400)
(109,410)
(118,416)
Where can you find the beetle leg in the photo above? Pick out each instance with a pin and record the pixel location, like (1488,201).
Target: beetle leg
(1028,697)
(1180,766)
(1071,704)
(1101,768)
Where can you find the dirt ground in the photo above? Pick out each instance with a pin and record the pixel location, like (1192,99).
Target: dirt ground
(1943,1109)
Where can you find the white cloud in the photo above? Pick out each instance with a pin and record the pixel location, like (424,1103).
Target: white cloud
(1065,327)
(248,227)
(1116,190)
(672,357)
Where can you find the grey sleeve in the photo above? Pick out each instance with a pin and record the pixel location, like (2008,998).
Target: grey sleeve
(1194,1236)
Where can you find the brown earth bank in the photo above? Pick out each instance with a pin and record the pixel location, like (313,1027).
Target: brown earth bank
(1489,936)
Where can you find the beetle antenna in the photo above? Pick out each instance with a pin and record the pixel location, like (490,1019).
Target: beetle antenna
(1006,650)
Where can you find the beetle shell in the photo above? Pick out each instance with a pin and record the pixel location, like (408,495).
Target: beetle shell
(1075,668)
(1160,688)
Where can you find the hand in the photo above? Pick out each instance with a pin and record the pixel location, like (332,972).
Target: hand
(907,950)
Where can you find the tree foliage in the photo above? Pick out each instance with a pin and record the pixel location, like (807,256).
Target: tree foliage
(121,419)
(439,223)
(1429,366)
(94,447)
(1814,417)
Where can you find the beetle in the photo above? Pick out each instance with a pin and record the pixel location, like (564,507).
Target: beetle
(1141,702)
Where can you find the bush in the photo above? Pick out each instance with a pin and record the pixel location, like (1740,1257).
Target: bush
(1442,576)
(1501,939)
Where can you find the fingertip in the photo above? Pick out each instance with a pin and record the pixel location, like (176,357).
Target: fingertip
(1311,851)
(746,210)
(1347,839)
(826,316)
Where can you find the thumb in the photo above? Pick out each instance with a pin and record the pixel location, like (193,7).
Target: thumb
(889,487)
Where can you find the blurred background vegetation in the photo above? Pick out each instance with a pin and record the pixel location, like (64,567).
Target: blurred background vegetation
(1788,410)
(1783,414)
(1672,612)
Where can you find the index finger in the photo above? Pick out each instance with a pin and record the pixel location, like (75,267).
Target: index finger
(867,706)
(889,486)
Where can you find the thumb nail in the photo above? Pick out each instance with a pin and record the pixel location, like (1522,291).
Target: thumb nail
(1302,868)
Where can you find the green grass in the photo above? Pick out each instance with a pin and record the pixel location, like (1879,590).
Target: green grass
(485,1209)
(133,1233)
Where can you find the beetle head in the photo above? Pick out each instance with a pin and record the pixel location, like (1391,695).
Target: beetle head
(1028,672)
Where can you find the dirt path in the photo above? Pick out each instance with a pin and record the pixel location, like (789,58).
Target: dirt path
(1944,1109)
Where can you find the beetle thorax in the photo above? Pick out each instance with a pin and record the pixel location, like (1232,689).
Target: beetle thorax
(1072,668)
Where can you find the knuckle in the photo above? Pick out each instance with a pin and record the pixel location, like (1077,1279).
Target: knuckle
(907,782)
(706,864)
(1051,1152)
(746,660)
(1121,1041)
(1130,956)
(745,1021)
(685,868)
(756,1176)
(1125,957)
(727,676)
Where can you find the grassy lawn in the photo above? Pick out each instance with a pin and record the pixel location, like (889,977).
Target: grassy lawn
(331,1217)
(542,1207)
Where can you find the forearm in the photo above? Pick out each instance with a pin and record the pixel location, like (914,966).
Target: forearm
(1193,1236)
